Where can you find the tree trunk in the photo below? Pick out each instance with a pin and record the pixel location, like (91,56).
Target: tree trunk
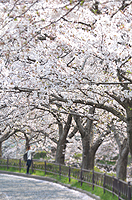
(91,160)
(93,150)
(0,149)
(86,142)
(27,141)
(121,168)
(86,135)
(61,146)
(129,128)
(89,151)
(86,152)
(27,144)
(60,152)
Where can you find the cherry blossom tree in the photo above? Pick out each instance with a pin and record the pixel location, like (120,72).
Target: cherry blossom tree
(73,52)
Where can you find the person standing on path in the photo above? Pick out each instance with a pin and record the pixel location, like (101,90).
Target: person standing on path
(29,157)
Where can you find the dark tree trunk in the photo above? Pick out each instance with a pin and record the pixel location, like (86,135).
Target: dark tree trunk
(121,168)
(129,127)
(86,152)
(27,141)
(91,160)
(89,149)
(0,149)
(27,144)
(88,159)
(61,146)
(93,150)
(60,152)
(85,142)
(86,139)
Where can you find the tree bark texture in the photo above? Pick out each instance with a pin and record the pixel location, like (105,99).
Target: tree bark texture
(129,127)
(89,149)
(86,152)
(0,149)
(27,141)
(121,168)
(61,146)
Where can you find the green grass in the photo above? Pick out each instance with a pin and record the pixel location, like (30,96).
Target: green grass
(97,191)
(12,169)
(96,169)
(73,183)
(107,162)
(77,155)
(40,154)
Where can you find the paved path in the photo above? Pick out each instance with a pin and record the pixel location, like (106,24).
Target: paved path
(21,188)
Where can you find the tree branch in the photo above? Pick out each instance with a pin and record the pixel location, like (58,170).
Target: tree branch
(79,126)
(124,5)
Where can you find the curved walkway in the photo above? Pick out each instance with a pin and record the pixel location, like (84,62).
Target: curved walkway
(25,188)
